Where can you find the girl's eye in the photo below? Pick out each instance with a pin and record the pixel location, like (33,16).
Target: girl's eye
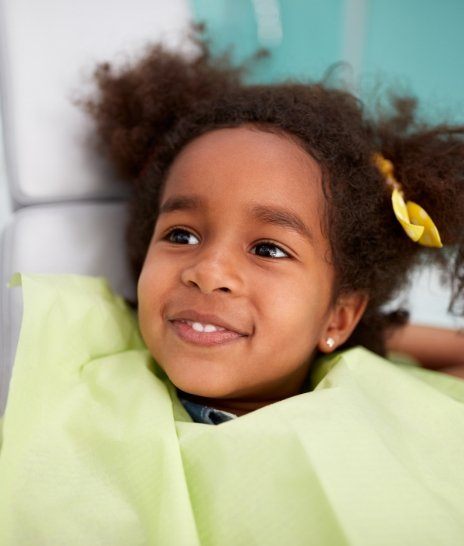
(269,250)
(181,237)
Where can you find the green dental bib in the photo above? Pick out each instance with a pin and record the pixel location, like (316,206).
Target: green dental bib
(98,450)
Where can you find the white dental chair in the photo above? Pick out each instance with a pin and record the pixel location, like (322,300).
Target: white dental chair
(69,212)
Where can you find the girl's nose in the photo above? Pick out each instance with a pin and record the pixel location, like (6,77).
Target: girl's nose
(213,270)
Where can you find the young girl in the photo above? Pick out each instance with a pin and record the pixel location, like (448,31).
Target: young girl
(268,228)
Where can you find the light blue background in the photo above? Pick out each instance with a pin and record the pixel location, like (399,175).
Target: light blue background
(311,40)
(412,46)
(420,43)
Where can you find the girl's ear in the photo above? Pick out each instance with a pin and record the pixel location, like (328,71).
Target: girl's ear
(342,320)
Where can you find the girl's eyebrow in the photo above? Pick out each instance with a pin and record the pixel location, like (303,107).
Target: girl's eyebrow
(282,217)
(266,214)
(182,202)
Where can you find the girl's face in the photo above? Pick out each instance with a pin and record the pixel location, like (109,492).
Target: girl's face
(238,245)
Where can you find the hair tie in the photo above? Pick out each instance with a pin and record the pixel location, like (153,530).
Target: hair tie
(415,221)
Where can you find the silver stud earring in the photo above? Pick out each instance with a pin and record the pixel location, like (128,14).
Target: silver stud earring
(330,342)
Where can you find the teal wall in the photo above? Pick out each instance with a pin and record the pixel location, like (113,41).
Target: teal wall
(413,46)
(311,34)
(419,43)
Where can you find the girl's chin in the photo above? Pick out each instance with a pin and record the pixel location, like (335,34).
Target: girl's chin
(205,387)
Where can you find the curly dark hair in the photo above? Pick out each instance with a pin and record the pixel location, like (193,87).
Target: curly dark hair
(148,111)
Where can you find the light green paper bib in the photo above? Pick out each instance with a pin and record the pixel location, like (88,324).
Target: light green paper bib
(98,450)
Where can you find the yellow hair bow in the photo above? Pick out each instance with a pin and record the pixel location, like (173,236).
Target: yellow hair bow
(415,221)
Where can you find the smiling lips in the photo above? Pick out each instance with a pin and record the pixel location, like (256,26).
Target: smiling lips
(205,330)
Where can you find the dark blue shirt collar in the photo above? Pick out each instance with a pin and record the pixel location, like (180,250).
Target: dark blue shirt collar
(205,414)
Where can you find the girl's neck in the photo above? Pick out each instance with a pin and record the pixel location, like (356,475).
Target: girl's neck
(242,406)
(237,407)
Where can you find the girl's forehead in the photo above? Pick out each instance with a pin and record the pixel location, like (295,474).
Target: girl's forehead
(246,164)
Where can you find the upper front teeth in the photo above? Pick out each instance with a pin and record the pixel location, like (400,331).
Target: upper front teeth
(199,327)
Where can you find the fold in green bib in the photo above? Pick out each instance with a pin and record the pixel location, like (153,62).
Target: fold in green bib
(98,450)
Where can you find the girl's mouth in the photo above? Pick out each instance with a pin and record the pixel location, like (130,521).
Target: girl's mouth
(203,334)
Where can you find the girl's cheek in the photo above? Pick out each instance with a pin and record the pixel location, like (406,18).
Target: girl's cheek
(158,278)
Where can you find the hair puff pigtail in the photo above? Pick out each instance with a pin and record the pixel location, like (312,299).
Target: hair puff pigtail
(136,105)
(429,164)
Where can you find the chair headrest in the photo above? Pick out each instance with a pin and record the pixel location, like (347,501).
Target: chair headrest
(48,51)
